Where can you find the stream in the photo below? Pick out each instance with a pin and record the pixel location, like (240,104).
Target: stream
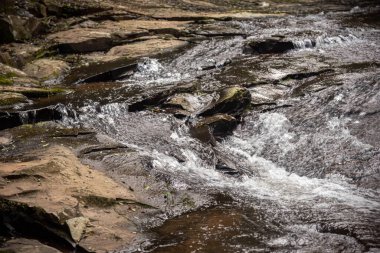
(304,162)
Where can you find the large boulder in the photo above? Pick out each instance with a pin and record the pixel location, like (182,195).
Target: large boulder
(232,100)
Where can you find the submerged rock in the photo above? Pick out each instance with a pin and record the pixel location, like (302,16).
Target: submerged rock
(232,100)
(213,128)
(269,46)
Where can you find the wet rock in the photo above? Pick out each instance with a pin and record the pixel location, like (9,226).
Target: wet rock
(145,48)
(22,245)
(304,75)
(269,46)
(203,133)
(180,104)
(111,75)
(46,69)
(213,128)
(232,100)
(114,61)
(226,169)
(221,125)
(31,92)
(13,119)
(77,227)
(213,30)
(9,98)
(159,97)
(265,94)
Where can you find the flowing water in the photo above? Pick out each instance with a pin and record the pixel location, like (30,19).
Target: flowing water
(308,154)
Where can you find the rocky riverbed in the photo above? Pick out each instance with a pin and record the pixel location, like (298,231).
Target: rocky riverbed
(189,126)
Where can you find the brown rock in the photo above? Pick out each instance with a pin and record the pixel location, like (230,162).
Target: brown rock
(64,184)
(10,98)
(146,48)
(108,33)
(46,69)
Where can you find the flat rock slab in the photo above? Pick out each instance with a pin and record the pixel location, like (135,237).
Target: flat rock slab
(59,183)
(136,50)
(106,34)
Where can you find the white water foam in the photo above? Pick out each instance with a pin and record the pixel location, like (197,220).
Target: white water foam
(271,182)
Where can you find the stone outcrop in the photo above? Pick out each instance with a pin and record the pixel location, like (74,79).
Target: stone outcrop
(94,207)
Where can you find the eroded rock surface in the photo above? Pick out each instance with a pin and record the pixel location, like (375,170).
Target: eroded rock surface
(61,185)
